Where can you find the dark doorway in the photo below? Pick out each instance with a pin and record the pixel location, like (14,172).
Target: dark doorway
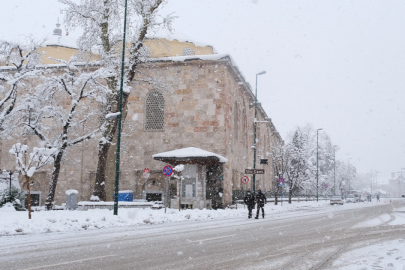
(34,200)
(153,197)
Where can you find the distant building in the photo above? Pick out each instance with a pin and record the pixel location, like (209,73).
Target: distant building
(207,104)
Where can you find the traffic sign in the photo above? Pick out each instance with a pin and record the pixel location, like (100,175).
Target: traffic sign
(264,161)
(146,173)
(168,170)
(254,171)
(244,179)
(281,180)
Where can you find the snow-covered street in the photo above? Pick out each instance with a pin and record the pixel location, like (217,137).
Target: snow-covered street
(305,235)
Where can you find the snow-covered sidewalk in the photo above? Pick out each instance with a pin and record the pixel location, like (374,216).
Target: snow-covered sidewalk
(388,255)
(15,223)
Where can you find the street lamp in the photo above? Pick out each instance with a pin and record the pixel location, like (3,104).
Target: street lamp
(10,173)
(254,139)
(117,161)
(350,182)
(317,185)
(334,170)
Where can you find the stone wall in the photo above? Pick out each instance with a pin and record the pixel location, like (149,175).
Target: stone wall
(208,105)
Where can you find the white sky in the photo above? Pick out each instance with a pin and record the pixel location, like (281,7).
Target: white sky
(336,64)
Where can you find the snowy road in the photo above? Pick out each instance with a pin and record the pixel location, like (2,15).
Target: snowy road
(316,238)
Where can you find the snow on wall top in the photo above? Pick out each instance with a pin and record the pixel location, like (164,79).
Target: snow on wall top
(193,57)
(189,152)
(71,191)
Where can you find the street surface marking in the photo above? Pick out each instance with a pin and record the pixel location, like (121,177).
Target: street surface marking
(64,263)
(208,239)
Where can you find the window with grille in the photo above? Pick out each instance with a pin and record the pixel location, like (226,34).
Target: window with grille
(155,112)
(187,52)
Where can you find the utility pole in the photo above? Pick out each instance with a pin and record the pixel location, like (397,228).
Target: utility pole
(117,161)
(349,178)
(254,136)
(317,157)
(334,170)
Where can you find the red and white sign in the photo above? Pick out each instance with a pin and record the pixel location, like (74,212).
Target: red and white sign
(168,170)
(146,173)
(244,179)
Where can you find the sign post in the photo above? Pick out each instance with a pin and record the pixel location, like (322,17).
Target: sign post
(244,179)
(146,173)
(254,171)
(167,171)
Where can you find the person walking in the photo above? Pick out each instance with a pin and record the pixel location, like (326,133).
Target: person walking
(261,201)
(250,202)
(378,197)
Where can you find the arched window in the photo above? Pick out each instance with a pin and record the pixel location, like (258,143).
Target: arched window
(155,111)
(187,52)
(235,122)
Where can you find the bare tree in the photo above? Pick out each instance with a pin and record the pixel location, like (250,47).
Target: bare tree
(280,159)
(74,85)
(18,63)
(297,168)
(102,24)
(37,159)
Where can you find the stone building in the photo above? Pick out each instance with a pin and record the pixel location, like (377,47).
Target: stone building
(203,102)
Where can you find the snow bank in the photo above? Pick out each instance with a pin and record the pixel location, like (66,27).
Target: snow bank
(387,255)
(17,222)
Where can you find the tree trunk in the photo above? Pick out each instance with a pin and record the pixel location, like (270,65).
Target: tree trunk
(276,197)
(27,179)
(289,195)
(55,176)
(106,153)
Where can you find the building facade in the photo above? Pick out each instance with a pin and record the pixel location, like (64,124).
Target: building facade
(201,101)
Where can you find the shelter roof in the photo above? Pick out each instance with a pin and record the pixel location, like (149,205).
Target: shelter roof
(190,155)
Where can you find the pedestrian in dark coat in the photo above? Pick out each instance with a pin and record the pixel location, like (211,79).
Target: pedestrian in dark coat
(261,201)
(250,202)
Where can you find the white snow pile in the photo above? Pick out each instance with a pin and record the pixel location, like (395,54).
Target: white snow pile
(8,207)
(71,191)
(17,222)
(387,255)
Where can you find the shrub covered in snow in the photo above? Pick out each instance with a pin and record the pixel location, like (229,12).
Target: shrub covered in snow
(15,197)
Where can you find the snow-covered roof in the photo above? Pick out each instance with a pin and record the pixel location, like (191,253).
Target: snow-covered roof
(57,39)
(62,41)
(189,152)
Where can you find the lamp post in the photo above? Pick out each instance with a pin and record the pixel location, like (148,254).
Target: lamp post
(9,192)
(254,139)
(317,155)
(334,170)
(349,178)
(117,161)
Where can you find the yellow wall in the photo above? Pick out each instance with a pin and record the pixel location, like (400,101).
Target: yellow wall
(166,48)
(157,48)
(59,52)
